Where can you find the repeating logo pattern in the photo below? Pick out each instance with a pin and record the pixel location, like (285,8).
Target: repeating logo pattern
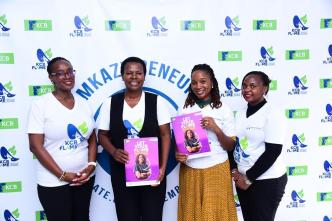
(6,92)
(326,174)
(300,87)
(328,60)
(81,27)
(232,86)
(267,58)
(11,216)
(158,27)
(297,200)
(232,27)
(3,26)
(118,25)
(43,58)
(298,142)
(8,156)
(38,25)
(328,117)
(300,27)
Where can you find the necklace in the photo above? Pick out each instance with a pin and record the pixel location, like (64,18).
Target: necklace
(203,103)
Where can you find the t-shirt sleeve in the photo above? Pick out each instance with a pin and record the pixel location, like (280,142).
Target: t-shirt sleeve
(275,127)
(36,118)
(228,125)
(103,121)
(163,112)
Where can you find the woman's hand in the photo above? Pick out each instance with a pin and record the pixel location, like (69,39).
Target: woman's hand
(208,123)
(240,180)
(121,156)
(83,176)
(181,157)
(160,177)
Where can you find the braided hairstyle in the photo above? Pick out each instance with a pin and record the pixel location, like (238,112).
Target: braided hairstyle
(215,95)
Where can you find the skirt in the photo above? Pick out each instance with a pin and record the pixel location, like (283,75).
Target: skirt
(206,194)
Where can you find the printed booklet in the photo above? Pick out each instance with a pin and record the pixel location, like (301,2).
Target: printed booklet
(143,166)
(190,137)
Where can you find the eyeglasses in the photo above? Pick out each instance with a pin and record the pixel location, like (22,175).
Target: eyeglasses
(62,74)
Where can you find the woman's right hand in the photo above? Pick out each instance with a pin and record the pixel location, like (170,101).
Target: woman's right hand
(181,157)
(121,156)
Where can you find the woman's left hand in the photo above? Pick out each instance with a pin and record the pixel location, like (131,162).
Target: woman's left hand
(239,180)
(83,176)
(208,123)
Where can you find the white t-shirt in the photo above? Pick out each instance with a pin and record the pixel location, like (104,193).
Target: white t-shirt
(266,125)
(133,117)
(223,117)
(65,135)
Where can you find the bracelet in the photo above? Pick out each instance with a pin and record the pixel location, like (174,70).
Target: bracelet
(247,181)
(62,177)
(92,163)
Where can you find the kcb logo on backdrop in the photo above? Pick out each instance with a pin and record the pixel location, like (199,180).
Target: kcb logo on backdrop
(299,85)
(3,26)
(232,27)
(193,25)
(298,144)
(325,141)
(81,25)
(6,92)
(39,90)
(158,27)
(297,170)
(301,113)
(8,123)
(229,55)
(328,60)
(38,25)
(328,117)
(232,88)
(118,25)
(43,58)
(325,83)
(41,216)
(7,156)
(297,200)
(11,216)
(264,25)
(267,58)
(326,174)
(7,58)
(11,187)
(300,27)
(325,23)
(324,197)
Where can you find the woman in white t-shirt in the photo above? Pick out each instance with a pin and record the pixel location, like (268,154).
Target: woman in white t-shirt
(205,183)
(132,114)
(260,175)
(61,136)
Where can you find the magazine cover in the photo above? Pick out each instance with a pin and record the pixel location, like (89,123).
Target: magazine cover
(190,137)
(143,166)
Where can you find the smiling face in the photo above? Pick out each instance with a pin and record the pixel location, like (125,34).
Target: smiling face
(201,84)
(253,89)
(189,134)
(133,76)
(141,159)
(62,75)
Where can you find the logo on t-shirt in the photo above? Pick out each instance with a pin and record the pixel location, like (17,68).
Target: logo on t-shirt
(240,148)
(75,136)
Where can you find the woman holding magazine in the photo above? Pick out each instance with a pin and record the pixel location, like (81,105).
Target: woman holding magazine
(205,183)
(135,114)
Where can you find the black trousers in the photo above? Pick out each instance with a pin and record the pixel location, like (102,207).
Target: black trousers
(66,203)
(261,200)
(138,203)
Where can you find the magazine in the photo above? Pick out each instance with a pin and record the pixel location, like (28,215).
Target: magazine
(143,166)
(190,137)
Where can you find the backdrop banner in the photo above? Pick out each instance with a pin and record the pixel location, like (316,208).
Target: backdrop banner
(289,40)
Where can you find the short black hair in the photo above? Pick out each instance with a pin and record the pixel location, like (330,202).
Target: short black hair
(53,61)
(264,77)
(132,59)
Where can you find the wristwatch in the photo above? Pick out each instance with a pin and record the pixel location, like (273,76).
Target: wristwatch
(91,163)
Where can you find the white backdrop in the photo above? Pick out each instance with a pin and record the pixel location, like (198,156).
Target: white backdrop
(289,40)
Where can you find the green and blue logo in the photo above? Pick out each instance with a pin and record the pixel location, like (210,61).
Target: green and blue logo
(325,83)
(229,55)
(37,25)
(232,27)
(325,23)
(324,196)
(327,118)
(82,28)
(300,27)
(3,26)
(303,54)
(301,113)
(117,25)
(233,89)
(267,58)
(264,25)
(158,27)
(11,187)
(6,92)
(297,170)
(39,90)
(325,141)
(8,156)
(300,87)
(6,58)
(328,60)
(8,123)
(298,144)
(11,216)
(192,25)
(43,58)
(297,199)
(41,216)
